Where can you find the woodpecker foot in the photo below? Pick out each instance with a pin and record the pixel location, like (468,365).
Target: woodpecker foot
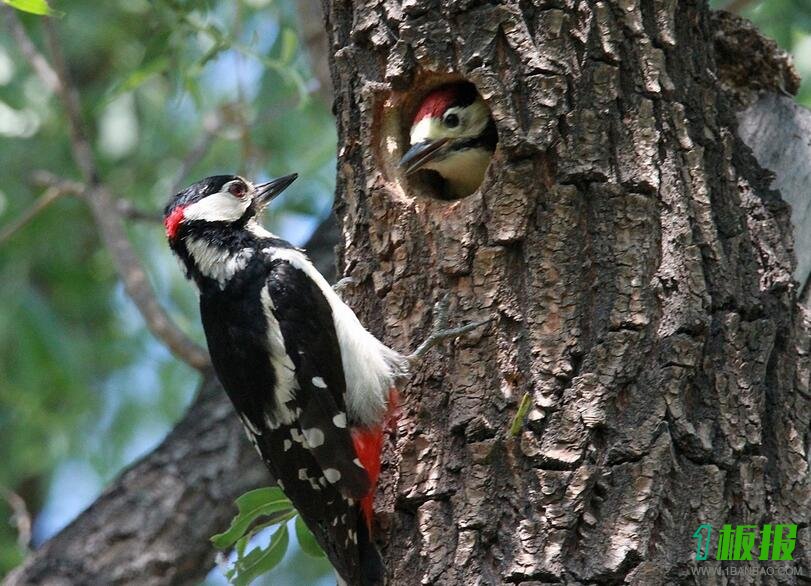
(440,331)
(341,285)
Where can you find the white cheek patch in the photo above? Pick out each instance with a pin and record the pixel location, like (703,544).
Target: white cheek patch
(217,207)
(429,128)
(472,121)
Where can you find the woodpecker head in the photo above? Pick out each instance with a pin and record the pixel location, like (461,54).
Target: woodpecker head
(454,135)
(213,220)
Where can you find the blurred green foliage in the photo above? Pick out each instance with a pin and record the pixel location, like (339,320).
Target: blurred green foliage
(171,91)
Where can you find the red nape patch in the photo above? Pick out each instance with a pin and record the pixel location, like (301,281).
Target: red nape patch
(436,103)
(172,221)
(368,446)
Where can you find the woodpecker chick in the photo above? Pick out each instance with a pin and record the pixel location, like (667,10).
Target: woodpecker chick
(453,134)
(315,391)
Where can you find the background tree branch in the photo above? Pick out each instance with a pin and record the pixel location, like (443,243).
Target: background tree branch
(153,524)
(108,219)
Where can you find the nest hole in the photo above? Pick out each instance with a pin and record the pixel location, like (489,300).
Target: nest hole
(399,115)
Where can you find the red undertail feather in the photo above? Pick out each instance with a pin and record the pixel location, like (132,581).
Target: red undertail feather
(368,446)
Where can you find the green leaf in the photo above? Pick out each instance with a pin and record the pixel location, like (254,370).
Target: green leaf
(518,420)
(307,541)
(258,497)
(260,561)
(275,519)
(261,502)
(39,7)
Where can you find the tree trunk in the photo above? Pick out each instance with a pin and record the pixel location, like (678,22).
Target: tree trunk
(641,271)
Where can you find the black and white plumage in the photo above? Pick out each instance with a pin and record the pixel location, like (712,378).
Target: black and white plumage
(313,388)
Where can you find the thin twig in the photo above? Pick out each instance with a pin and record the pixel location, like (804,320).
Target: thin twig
(128,210)
(102,205)
(26,46)
(80,145)
(440,336)
(123,206)
(56,188)
(20,516)
(42,178)
(51,195)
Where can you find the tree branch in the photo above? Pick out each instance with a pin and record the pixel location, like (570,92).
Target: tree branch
(108,220)
(153,524)
(26,46)
(46,199)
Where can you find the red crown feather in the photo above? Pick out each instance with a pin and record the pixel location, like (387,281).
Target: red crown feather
(436,103)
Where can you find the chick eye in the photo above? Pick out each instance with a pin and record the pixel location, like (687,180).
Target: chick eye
(238,189)
(451,120)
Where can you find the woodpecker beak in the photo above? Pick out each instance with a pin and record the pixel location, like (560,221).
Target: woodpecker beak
(422,152)
(265,192)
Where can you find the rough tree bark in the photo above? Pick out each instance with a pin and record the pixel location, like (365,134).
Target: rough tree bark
(641,269)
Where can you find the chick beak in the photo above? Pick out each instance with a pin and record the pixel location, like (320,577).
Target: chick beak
(422,152)
(265,192)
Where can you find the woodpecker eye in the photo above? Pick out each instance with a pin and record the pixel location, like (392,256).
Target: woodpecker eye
(238,189)
(451,120)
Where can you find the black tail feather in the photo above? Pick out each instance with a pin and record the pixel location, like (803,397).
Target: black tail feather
(372,569)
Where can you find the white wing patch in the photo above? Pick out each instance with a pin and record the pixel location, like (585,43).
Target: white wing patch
(283,367)
(370,367)
(339,420)
(332,475)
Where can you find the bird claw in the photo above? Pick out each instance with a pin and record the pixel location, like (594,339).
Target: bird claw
(440,330)
(343,284)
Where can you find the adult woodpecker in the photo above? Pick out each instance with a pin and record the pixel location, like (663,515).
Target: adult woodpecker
(453,134)
(312,387)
